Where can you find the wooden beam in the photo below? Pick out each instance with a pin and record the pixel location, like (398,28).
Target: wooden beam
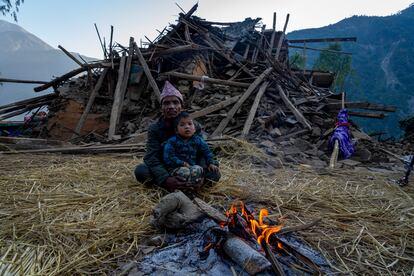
(91,100)
(281,38)
(22,81)
(117,99)
(71,56)
(173,50)
(214,108)
(299,116)
(269,51)
(317,40)
(252,113)
(206,80)
(363,105)
(147,72)
(67,76)
(367,114)
(243,98)
(321,50)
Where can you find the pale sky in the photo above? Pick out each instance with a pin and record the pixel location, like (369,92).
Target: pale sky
(70,22)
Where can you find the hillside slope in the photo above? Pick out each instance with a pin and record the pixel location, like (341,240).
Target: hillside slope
(382,58)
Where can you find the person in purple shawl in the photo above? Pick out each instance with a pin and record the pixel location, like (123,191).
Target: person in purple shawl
(341,133)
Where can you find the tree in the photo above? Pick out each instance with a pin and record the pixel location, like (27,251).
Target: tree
(297,61)
(335,62)
(8,7)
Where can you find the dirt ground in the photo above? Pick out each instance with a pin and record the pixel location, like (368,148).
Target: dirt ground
(64,214)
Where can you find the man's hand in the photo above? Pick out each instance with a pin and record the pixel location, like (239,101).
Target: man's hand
(213,168)
(174,183)
(186,165)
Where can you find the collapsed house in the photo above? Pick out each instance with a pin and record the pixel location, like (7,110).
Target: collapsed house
(236,80)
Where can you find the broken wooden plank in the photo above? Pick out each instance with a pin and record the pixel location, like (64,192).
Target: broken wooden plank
(272,39)
(281,38)
(71,56)
(147,72)
(335,106)
(82,149)
(367,114)
(299,116)
(91,100)
(204,79)
(252,113)
(210,211)
(117,99)
(317,40)
(243,98)
(213,108)
(68,75)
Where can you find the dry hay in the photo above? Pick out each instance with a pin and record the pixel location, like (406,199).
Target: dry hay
(66,214)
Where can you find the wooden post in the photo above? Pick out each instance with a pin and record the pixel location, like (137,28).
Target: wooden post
(71,56)
(281,38)
(299,116)
(269,51)
(148,72)
(243,98)
(88,107)
(120,91)
(252,113)
(117,99)
(335,152)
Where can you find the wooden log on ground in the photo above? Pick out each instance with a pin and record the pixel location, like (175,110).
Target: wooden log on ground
(299,116)
(277,268)
(147,72)
(91,100)
(80,149)
(245,256)
(252,113)
(243,98)
(210,211)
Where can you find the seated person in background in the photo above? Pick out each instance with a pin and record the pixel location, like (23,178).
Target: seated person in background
(153,170)
(181,151)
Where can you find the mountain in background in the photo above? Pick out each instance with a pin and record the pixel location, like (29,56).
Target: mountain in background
(383,61)
(25,56)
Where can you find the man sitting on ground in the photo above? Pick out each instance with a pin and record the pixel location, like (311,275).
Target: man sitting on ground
(154,171)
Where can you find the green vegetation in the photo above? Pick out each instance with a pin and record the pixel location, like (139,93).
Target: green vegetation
(297,61)
(382,63)
(8,7)
(334,62)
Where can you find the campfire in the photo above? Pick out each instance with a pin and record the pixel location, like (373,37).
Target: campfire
(253,241)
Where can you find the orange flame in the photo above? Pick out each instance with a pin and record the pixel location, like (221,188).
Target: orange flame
(261,230)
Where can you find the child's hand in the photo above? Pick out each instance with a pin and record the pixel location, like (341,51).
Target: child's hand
(213,168)
(186,165)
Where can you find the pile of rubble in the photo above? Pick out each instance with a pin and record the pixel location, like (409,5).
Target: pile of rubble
(236,81)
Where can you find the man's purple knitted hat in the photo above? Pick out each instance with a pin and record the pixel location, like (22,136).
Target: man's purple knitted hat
(170,90)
